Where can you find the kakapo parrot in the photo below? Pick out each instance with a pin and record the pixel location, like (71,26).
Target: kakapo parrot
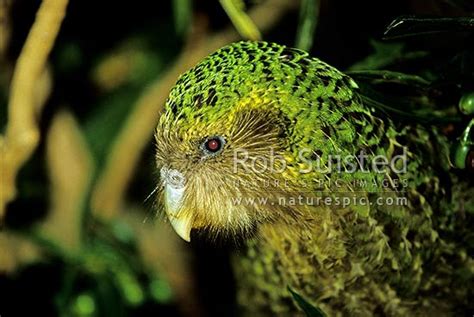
(358,214)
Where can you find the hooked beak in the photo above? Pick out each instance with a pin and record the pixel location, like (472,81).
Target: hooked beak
(174,189)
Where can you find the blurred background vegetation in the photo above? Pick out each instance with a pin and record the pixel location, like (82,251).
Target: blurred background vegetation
(78,236)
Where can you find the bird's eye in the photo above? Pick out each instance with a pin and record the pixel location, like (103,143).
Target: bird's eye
(213,145)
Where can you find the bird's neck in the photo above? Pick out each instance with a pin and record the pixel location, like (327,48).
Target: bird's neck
(313,230)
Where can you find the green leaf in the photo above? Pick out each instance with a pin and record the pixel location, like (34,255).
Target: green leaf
(386,54)
(182,11)
(406,26)
(308,19)
(160,290)
(386,76)
(308,308)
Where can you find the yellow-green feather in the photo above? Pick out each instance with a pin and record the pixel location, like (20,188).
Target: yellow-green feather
(357,261)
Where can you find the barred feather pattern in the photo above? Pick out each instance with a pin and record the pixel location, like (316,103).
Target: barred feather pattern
(350,261)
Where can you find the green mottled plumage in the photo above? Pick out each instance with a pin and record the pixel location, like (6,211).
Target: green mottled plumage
(352,260)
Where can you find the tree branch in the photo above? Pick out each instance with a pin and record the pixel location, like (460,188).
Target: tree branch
(22,134)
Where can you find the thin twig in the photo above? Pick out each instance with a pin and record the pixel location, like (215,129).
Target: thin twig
(22,134)
(242,22)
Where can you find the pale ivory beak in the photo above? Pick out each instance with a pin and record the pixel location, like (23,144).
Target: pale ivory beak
(173,196)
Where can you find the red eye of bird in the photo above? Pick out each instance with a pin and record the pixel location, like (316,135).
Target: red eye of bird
(213,144)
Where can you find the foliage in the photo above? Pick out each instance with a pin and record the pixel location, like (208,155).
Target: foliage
(309,309)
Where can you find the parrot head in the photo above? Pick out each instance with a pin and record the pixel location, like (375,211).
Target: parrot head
(230,124)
